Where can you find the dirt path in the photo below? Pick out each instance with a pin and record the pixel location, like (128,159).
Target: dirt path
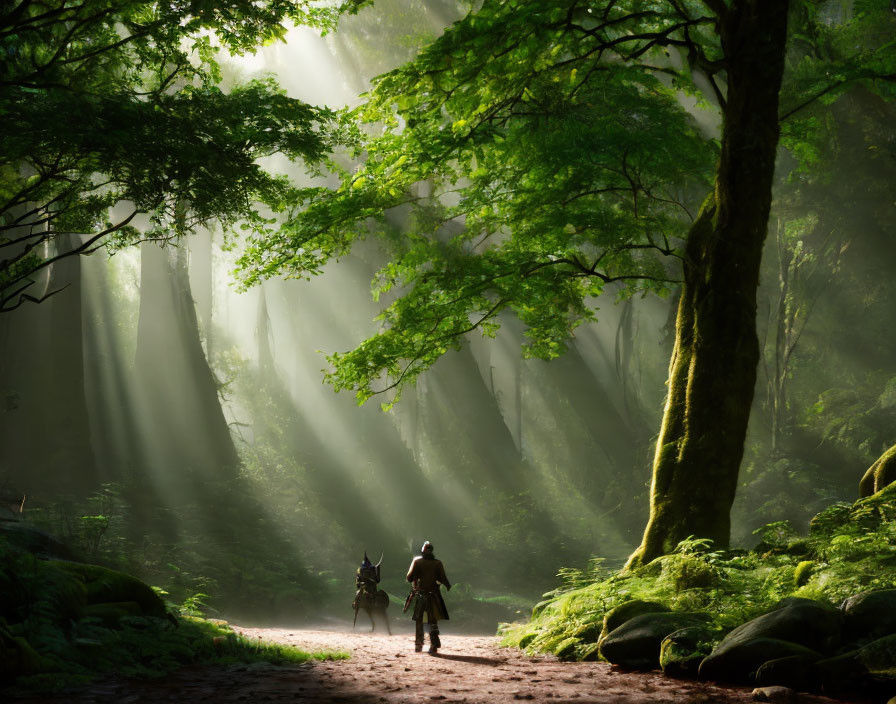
(386,669)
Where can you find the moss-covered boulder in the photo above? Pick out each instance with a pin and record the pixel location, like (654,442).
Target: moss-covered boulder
(806,622)
(60,593)
(870,615)
(794,626)
(682,652)
(636,643)
(872,666)
(615,617)
(104,585)
(738,662)
(795,671)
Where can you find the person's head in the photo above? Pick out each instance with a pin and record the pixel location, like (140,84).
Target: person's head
(365,563)
(427,548)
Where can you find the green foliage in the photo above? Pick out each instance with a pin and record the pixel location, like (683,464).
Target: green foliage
(527,174)
(42,608)
(828,55)
(851,548)
(535,152)
(154,132)
(197,573)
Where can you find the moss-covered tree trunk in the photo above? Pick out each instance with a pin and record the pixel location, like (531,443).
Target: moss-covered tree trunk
(879,475)
(713,368)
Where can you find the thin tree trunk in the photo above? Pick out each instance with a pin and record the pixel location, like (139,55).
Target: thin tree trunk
(263,339)
(713,368)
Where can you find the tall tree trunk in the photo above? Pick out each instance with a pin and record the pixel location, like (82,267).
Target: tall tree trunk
(185,425)
(70,439)
(202,284)
(713,368)
(44,431)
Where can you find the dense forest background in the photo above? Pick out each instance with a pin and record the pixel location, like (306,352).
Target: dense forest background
(173,426)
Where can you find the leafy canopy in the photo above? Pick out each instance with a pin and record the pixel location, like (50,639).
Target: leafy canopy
(525,172)
(116,102)
(535,153)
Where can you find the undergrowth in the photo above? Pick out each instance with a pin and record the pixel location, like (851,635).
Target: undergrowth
(850,548)
(150,648)
(48,644)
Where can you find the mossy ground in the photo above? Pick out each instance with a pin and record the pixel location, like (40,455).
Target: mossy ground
(151,648)
(849,549)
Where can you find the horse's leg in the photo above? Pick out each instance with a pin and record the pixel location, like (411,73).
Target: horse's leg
(372,622)
(386,619)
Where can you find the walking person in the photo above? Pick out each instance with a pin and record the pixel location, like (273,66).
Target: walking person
(426,574)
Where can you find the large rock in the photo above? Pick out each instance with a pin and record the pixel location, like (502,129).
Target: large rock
(794,671)
(636,643)
(795,627)
(806,622)
(870,615)
(104,585)
(738,662)
(615,617)
(873,666)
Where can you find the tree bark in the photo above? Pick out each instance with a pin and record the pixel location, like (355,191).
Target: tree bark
(712,373)
(45,438)
(184,424)
(879,475)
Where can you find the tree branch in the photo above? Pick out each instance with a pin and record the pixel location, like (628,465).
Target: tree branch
(84,248)
(717,6)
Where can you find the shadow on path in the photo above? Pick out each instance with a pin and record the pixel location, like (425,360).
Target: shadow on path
(384,670)
(473,660)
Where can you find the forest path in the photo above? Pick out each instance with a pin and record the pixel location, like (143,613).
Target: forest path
(471,669)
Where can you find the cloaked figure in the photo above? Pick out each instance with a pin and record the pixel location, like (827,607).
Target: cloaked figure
(369,596)
(426,574)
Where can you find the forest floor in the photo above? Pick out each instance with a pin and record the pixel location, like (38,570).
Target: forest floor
(386,669)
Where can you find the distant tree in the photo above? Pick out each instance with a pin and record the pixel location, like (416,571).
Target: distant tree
(111,109)
(553,131)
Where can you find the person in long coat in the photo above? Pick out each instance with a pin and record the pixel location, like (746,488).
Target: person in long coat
(426,574)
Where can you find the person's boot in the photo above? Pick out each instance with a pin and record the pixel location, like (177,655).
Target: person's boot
(434,642)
